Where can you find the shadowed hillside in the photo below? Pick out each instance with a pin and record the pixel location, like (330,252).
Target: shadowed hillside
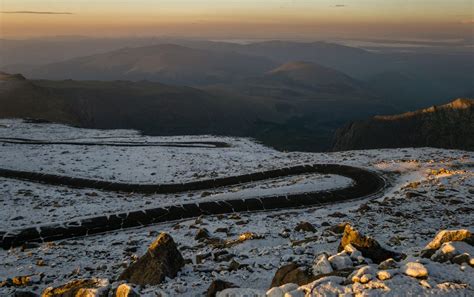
(446,126)
(289,112)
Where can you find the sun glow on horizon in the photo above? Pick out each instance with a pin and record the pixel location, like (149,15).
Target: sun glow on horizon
(235,18)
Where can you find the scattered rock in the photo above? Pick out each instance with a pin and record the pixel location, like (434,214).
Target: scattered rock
(369,247)
(125,290)
(217,286)
(384,275)
(339,228)
(222,230)
(82,287)
(337,214)
(202,234)
(363,274)
(415,269)
(21,281)
(234,265)
(161,260)
(201,257)
(305,227)
(462,258)
(243,237)
(388,264)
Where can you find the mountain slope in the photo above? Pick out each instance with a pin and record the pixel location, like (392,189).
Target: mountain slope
(446,126)
(150,107)
(313,75)
(165,63)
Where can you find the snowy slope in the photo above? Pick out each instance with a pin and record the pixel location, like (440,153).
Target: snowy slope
(397,219)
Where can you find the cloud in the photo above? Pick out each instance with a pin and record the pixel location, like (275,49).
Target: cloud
(340,5)
(36,12)
(467,22)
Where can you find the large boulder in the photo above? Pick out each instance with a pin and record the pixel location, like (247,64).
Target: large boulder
(445,236)
(368,246)
(93,287)
(161,260)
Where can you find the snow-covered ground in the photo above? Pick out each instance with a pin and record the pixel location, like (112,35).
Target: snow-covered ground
(431,189)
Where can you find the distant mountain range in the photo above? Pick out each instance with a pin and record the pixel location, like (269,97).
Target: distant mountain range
(446,126)
(166,63)
(304,122)
(290,95)
(405,80)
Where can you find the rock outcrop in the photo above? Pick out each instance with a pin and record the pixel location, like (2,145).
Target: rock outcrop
(368,246)
(161,260)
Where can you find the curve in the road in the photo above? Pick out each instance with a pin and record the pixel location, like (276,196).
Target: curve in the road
(365,183)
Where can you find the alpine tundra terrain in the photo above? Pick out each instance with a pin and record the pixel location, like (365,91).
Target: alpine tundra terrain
(116,213)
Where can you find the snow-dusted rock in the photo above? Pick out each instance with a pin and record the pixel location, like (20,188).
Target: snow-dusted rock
(340,261)
(281,290)
(449,250)
(444,236)
(415,269)
(241,292)
(368,246)
(364,272)
(326,286)
(322,265)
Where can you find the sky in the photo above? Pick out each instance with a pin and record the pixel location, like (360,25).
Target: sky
(239,19)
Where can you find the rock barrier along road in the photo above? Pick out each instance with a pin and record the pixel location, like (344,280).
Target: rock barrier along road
(197,144)
(365,183)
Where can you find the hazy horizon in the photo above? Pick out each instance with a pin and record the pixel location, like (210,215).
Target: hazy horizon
(212,19)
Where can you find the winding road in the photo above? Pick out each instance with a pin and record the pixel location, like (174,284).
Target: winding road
(201,144)
(365,183)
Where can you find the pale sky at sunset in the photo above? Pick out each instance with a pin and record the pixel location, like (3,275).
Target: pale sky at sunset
(238,19)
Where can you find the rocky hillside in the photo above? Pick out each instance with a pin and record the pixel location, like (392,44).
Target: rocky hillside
(446,126)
